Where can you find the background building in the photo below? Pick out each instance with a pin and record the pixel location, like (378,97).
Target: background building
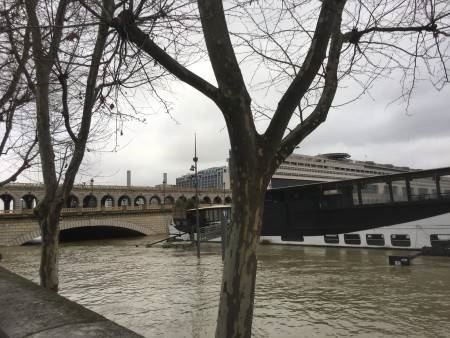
(216,177)
(303,169)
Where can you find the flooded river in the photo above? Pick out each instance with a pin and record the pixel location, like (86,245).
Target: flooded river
(300,292)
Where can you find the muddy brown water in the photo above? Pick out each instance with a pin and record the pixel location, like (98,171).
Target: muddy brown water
(300,291)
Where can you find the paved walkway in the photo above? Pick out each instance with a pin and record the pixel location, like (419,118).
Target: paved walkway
(27,310)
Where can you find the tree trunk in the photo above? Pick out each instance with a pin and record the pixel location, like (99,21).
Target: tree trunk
(49,214)
(239,275)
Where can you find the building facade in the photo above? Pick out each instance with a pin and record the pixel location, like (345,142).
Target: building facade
(303,169)
(216,177)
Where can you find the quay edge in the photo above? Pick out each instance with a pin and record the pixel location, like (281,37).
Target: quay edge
(28,310)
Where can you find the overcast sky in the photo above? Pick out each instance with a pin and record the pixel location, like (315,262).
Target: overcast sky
(371,128)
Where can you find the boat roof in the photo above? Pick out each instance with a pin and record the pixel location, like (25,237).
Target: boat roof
(410,175)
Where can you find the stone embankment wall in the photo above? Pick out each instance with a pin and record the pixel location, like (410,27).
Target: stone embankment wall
(27,310)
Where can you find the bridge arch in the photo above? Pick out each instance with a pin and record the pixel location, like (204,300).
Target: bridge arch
(90,201)
(8,202)
(124,200)
(107,201)
(85,223)
(155,200)
(169,200)
(140,200)
(206,200)
(228,200)
(217,200)
(73,201)
(29,201)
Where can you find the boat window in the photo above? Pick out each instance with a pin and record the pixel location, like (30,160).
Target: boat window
(399,191)
(401,240)
(372,195)
(370,188)
(331,239)
(217,215)
(352,239)
(331,192)
(440,240)
(375,239)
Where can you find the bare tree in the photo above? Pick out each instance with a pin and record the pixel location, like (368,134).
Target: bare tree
(17,143)
(67,45)
(81,73)
(308,47)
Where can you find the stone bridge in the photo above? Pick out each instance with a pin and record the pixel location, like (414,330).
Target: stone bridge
(17,228)
(18,196)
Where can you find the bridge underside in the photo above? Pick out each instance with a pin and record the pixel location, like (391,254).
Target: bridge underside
(96,233)
(80,232)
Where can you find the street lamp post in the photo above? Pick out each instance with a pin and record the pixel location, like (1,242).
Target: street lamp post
(164,188)
(223,184)
(91,199)
(197,216)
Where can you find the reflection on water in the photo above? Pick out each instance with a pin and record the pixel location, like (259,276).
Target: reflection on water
(300,292)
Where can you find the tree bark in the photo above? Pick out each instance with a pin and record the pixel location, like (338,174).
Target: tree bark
(49,224)
(249,181)
(240,264)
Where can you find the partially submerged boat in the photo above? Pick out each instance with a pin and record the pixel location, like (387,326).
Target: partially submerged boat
(408,210)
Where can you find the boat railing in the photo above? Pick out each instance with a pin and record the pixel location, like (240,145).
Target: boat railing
(427,185)
(210,231)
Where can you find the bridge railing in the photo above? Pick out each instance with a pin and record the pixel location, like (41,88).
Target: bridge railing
(96,209)
(121,208)
(81,210)
(157,189)
(15,211)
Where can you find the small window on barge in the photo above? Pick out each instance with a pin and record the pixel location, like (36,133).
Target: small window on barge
(440,240)
(352,239)
(375,239)
(331,239)
(401,240)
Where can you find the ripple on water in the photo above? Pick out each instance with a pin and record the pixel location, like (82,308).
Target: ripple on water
(300,292)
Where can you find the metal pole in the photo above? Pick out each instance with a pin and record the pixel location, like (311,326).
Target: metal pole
(223,224)
(197,217)
(164,189)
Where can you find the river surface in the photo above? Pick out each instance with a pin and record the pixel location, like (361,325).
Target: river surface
(300,291)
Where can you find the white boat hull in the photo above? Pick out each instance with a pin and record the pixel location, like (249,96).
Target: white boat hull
(419,233)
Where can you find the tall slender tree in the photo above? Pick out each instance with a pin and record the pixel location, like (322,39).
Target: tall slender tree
(80,72)
(54,65)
